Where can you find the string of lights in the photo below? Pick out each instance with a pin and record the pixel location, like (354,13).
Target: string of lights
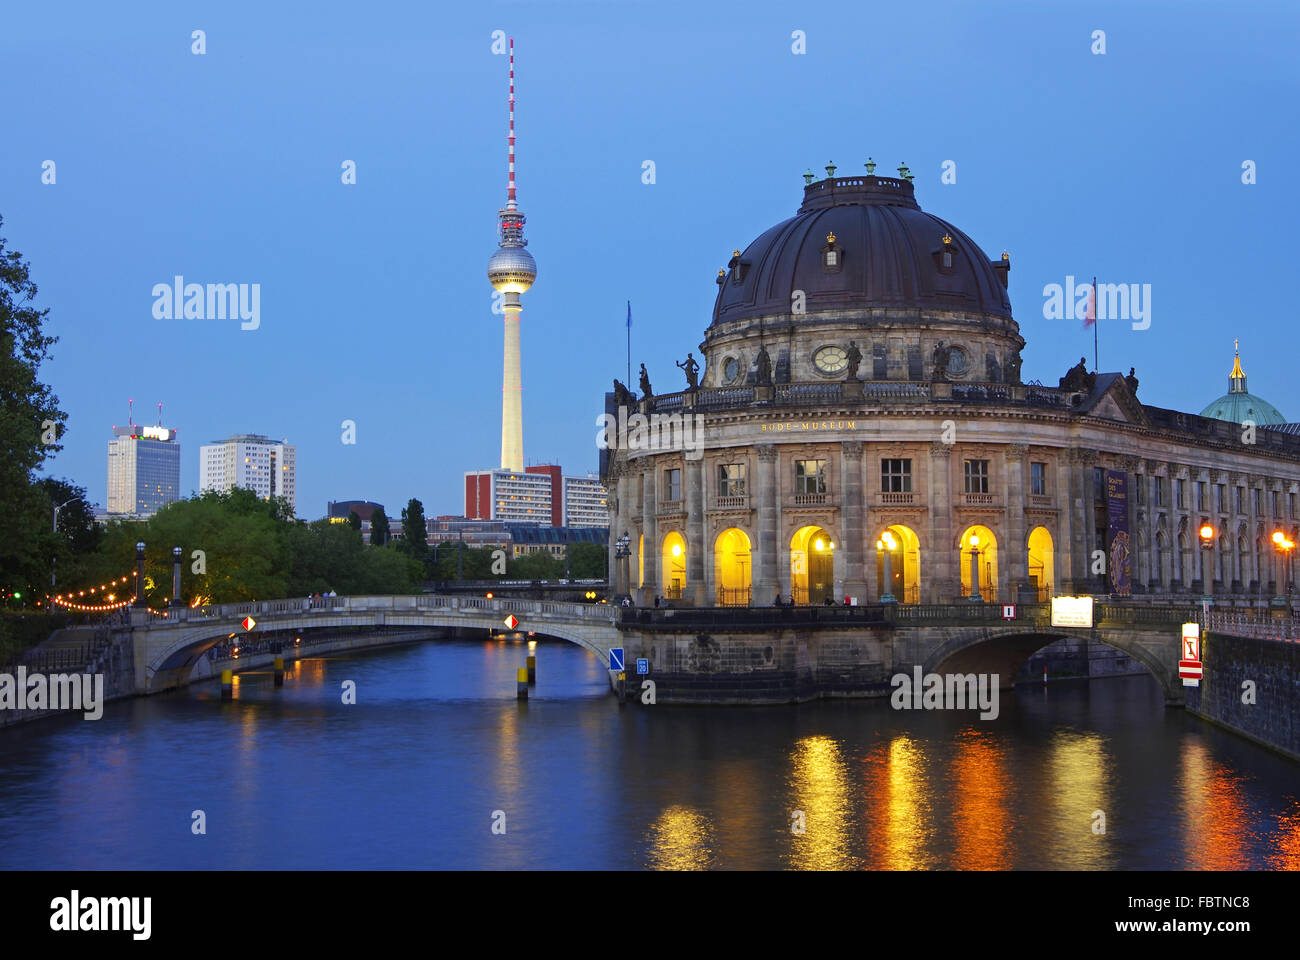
(108,590)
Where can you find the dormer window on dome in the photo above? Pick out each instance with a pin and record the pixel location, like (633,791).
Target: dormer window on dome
(832,255)
(945,257)
(738,267)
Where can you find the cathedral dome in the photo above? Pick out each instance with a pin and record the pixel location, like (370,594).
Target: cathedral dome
(861,242)
(1238,405)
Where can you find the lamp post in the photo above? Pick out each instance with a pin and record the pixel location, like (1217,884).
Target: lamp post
(54,560)
(621,553)
(1282,547)
(975,570)
(140,601)
(1206,534)
(176,577)
(886,545)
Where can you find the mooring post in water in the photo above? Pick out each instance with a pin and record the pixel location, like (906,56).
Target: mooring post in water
(532,669)
(521,683)
(227,684)
(279,671)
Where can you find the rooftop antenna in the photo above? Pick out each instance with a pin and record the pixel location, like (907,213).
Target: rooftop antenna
(510,192)
(160,413)
(130,406)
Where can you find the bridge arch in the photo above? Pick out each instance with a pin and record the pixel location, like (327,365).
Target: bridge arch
(1004,654)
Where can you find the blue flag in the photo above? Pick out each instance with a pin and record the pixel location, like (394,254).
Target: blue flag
(629,314)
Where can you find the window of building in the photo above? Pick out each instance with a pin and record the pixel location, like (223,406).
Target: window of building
(977,475)
(810,476)
(1256,498)
(1098,483)
(1223,498)
(1200,495)
(731,480)
(1160,492)
(1140,488)
(1038,479)
(673,484)
(1241,499)
(1277,503)
(895,476)
(1290,505)
(1180,493)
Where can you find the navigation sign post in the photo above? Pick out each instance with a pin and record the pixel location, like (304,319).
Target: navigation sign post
(510,621)
(1189,663)
(1008,611)
(248,623)
(616,658)
(642,665)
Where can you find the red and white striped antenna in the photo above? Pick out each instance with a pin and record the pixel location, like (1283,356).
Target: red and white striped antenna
(510,191)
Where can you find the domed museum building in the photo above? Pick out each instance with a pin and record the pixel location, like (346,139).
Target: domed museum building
(867,436)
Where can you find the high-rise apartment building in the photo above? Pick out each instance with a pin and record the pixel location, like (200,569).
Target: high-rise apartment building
(252,462)
(144,470)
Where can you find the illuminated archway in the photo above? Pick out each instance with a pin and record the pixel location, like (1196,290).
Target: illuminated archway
(904,563)
(673,572)
(812,565)
(986,545)
(732,568)
(1041,563)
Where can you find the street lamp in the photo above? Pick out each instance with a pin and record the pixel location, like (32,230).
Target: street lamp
(886,546)
(176,576)
(1206,534)
(1283,545)
(975,570)
(140,600)
(54,560)
(621,553)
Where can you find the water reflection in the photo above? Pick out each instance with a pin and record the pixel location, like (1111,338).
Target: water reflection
(681,838)
(979,786)
(1213,811)
(1078,789)
(819,788)
(900,807)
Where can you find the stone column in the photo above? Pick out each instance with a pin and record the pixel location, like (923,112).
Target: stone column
(767,574)
(1017,554)
(1150,482)
(650,530)
(940,575)
(1131,480)
(615,501)
(853,536)
(1075,513)
(696,548)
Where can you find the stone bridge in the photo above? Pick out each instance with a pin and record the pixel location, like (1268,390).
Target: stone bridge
(167,645)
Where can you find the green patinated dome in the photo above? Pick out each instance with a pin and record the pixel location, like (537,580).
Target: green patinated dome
(1239,405)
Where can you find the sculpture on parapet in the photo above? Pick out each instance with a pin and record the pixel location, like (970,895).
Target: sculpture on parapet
(941,355)
(854,356)
(763,375)
(1132,381)
(646,393)
(1013,368)
(1078,377)
(622,395)
(692,371)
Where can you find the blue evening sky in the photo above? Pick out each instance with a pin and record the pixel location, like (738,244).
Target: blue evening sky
(225,168)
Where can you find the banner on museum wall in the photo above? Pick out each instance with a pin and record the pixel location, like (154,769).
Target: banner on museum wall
(1117,532)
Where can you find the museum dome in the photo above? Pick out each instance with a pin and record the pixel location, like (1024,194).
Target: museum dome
(862,242)
(1239,405)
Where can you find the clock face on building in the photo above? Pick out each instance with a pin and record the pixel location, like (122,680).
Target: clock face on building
(730,369)
(831,359)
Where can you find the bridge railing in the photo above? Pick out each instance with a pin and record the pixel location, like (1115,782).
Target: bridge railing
(234,612)
(1284,628)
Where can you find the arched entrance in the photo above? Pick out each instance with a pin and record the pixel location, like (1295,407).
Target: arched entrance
(980,539)
(812,565)
(673,576)
(1041,565)
(732,569)
(904,563)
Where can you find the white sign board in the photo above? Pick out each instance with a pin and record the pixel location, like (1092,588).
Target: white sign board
(1072,611)
(1191,641)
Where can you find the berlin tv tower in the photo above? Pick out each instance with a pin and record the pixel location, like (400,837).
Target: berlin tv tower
(511,271)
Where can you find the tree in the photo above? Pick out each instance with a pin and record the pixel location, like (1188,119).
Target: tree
(30,429)
(78,536)
(354,520)
(587,561)
(415,530)
(379,530)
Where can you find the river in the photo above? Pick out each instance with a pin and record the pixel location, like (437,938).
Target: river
(437,765)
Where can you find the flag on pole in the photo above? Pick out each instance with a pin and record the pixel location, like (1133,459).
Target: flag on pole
(1090,311)
(629,314)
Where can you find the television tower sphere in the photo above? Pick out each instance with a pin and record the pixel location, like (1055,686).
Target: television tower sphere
(511,269)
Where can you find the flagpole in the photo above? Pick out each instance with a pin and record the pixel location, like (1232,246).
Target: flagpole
(629,344)
(1096,364)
